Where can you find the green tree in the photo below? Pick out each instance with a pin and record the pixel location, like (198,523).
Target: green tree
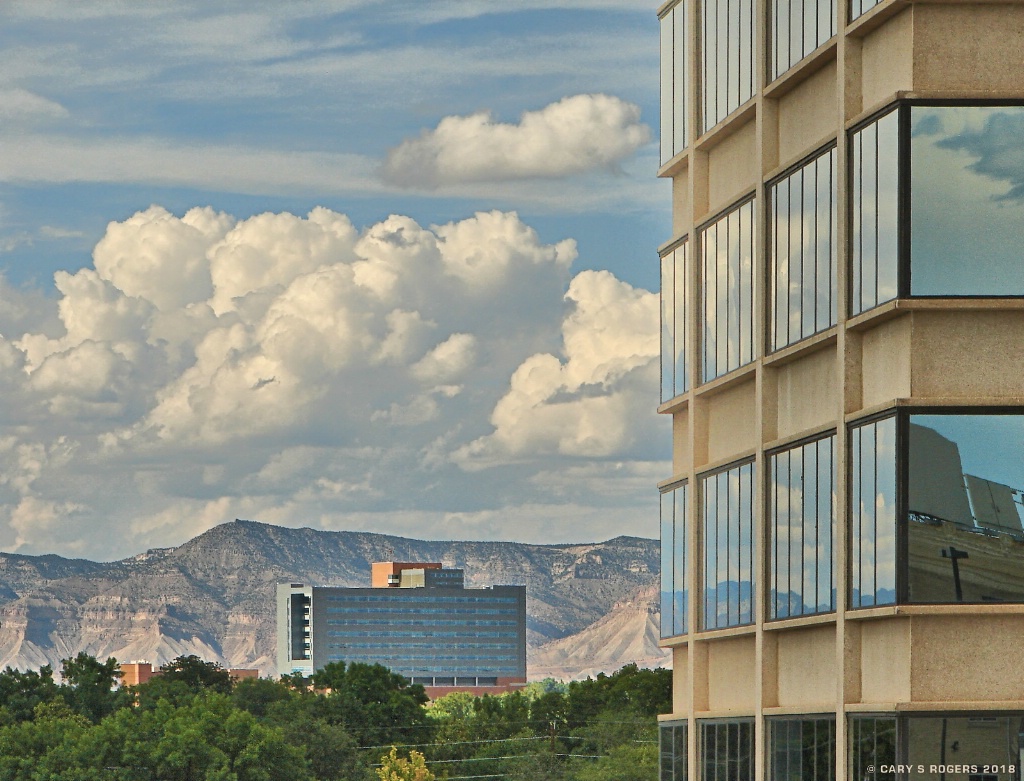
(396,768)
(331,751)
(623,763)
(21,692)
(257,695)
(197,674)
(374,704)
(90,686)
(25,745)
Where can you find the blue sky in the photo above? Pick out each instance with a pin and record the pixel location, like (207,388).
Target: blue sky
(481,365)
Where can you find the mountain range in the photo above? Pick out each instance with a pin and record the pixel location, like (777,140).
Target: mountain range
(591,607)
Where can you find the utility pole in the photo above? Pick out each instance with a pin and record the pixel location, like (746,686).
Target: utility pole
(954,557)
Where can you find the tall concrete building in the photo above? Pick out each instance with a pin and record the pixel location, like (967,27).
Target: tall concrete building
(843,365)
(416,619)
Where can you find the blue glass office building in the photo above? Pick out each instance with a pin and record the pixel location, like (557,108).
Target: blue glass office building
(430,629)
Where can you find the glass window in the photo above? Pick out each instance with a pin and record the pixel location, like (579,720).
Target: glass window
(965,508)
(674,80)
(983,746)
(798,27)
(802,749)
(873,513)
(672,739)
(990,743)
(802,499)
(727,750)
(964,196)
(860,7)
(727,58)
(674,619)
(967,208)
(802,251)
(872,747)
(675,374)
(727,507)
(727,292)
(874,202)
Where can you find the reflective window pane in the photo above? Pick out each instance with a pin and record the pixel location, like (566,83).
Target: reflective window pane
(872,747)
(674,606)
(675,374)
(874,212)
(802,502)
(965,504)
(727,509)
(727,61)
(674,80)
(727,292)
(726,750)
(985,740)
(802,251)
(967,210)
(797,28)
(873,513)
(802,749)
(667,528)
(672,739)
(860,7)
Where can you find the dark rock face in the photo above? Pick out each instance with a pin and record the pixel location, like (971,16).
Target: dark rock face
(214,595)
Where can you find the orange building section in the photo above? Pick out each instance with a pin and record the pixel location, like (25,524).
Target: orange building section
(135,673)
(387,574)
(505,685)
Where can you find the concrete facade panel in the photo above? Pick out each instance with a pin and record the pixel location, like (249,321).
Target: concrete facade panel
(731,674)
(680,679)
(681,460)
(732,168)
(731,422)
(968,46)
(806,668)
(967,657)
(885,362)
(885,661)
(681,215)
(887,60)
(808,392)
(808,114)
(981,354)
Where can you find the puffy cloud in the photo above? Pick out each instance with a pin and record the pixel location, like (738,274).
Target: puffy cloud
(268,251)
(298,370)
(33,519)
(160,258)
(574,135)
(23,311)
(448,361)
(592,404)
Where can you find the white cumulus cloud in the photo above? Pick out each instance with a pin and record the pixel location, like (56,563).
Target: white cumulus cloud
(592,403)
(296,369)
(577,134)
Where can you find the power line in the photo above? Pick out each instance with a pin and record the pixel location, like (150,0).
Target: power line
(471,742)
(451,743)
(509,756)
(473,759)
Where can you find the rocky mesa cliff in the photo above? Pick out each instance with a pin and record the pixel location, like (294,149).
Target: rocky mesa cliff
(214,595)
